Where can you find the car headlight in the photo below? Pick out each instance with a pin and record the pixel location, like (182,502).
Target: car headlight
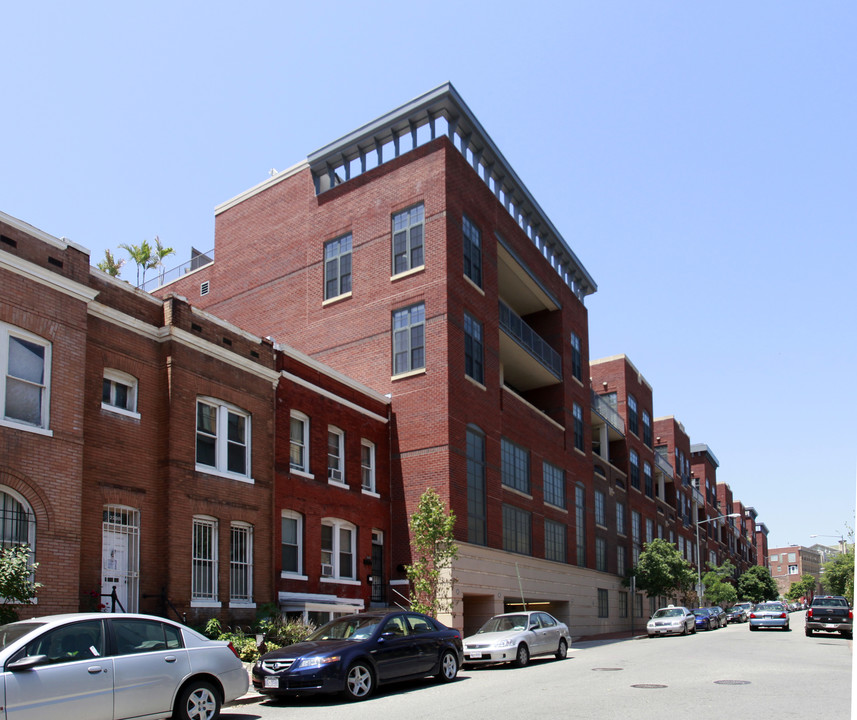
(508,642)
(316,662)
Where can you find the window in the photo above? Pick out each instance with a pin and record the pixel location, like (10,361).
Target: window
(633,424)
(477,528)
(647,428)
(650,530)
(367,466)
(472,251)
(775,558)
(75,641)
(623,604)
(621,554)
(408,239)
(648,482)
(222,437)
(204,562)
(337,549)
(554,484)
(600,509)
(337,267)
(636,535)
(25,363)
(792,557)
(601,554)
(299,442)
(409,351)
(603,608)
(241,563)
(620,518)
(292,532)
(578,426)
(517,530)
(634,463)
(17,521)
(793,570)
(580,520)
(555,541)
(514,466)
(135,636)
(335,454)
(575,356)
(638,605)
(473,366)
(119,392)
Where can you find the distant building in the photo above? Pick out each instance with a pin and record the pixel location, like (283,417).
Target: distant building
(789,564)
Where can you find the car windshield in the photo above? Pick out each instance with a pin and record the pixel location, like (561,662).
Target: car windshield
(13,631)
(700,611)
(668,612)
(350,628)
(504,623)
(832,602)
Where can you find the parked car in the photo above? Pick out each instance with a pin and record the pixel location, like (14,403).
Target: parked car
(115,665)
(704,619)
(740,612)
(830,613)
(671,619)
(718,613)
(516,637)
(354,654)
(769,615)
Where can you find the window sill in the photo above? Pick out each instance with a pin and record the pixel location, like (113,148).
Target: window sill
(474,285)
(370,493)
(340,581)
(292,576)
(204,604)
(239,605)
(120,411)
(334,300)
(26,428)
(301,473)
(474,381)
(336,483)
(517,492)
(579,451)
(556,507)
(407,273)
(409,373)
(207,470)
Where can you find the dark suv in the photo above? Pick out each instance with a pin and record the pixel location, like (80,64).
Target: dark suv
(830,613)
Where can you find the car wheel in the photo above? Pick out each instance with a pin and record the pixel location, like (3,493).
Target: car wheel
(808,633)
(684,629)
(848,634)
(522,657)
(753,628)
(359,682)
(786,627)
(562,650)
(693,629)
(448,667)
(198,701)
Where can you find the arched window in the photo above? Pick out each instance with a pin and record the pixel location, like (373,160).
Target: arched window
(17,520)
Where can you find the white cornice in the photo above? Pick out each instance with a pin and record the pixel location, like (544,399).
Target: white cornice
(279,177)
(116,317)
(226,356)
(336,398)
(43,276)
(59,243)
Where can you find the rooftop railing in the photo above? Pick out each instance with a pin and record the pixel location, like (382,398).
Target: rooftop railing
(198,260)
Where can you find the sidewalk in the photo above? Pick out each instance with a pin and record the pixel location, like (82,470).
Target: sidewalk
(252,696)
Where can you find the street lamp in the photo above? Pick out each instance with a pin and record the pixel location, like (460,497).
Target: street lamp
(842,545)
(698,558)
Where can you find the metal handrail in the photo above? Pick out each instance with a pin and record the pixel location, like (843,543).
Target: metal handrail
(529,339)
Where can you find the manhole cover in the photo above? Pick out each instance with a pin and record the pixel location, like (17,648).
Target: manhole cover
(648,686)
(607,669)
(731,682)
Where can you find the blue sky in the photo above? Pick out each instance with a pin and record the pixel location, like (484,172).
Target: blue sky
(699,158)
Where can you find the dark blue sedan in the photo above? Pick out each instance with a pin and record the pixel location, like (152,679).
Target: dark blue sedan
(704,619)
(356,653)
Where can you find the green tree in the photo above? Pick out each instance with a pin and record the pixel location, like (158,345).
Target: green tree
(17,586)
(718,589)
(158,255)
(838,575)
(433,547)
(141,255)
(757,585)
(662,571)
(805,587)
(110,265)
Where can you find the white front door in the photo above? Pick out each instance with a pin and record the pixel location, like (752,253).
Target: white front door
(120,558)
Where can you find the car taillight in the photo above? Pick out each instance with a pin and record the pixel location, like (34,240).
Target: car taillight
(782,615)
(752,615)
(809,613)
(234,651)
(850,614)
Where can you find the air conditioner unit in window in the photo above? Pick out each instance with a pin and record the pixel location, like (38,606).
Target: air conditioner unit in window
(326,570)
(334,474)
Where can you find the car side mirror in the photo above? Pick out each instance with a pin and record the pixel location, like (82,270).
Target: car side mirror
(27,663)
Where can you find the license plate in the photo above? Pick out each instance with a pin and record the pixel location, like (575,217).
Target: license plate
(830,625)
(272,682)
(474,656)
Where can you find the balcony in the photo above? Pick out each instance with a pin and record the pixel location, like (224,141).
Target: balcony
(663,465)
(603,412)
(528,361)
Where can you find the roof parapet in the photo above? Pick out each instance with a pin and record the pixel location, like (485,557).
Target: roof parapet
(442,112)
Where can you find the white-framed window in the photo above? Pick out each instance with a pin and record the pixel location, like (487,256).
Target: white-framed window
(337,267)
(338,541)
(222,438)
(299,442)
(119,392)
(793,570)
(241,563)
(25,371)
(367,465)
(409,342)
(203,587)
(17,522)
(408,226)
(335,455)
(292,543)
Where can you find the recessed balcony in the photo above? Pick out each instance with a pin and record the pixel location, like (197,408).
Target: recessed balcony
(529,362)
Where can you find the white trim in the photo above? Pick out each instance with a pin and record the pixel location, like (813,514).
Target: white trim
(227,356)
(299,534)
(370,493)
(337,484)
(199,604)
(120,411)
(208,470)
(292,576)
(7,333)
(304,442)
(43,276)
(339,581)
(264,185)
(26,428)
(116,317)
(411,271)
(221,438)
(336,398)
(60,243)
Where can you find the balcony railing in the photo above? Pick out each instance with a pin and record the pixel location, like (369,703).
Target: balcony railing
(663,464)
(608,412)
(530,340)
(198,260)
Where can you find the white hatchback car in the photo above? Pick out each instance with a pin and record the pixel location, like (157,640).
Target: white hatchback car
(111,666)
(516,637)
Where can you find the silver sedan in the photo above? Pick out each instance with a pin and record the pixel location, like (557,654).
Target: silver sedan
(676,620)
(516,637)
(111,666)
(769,615)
